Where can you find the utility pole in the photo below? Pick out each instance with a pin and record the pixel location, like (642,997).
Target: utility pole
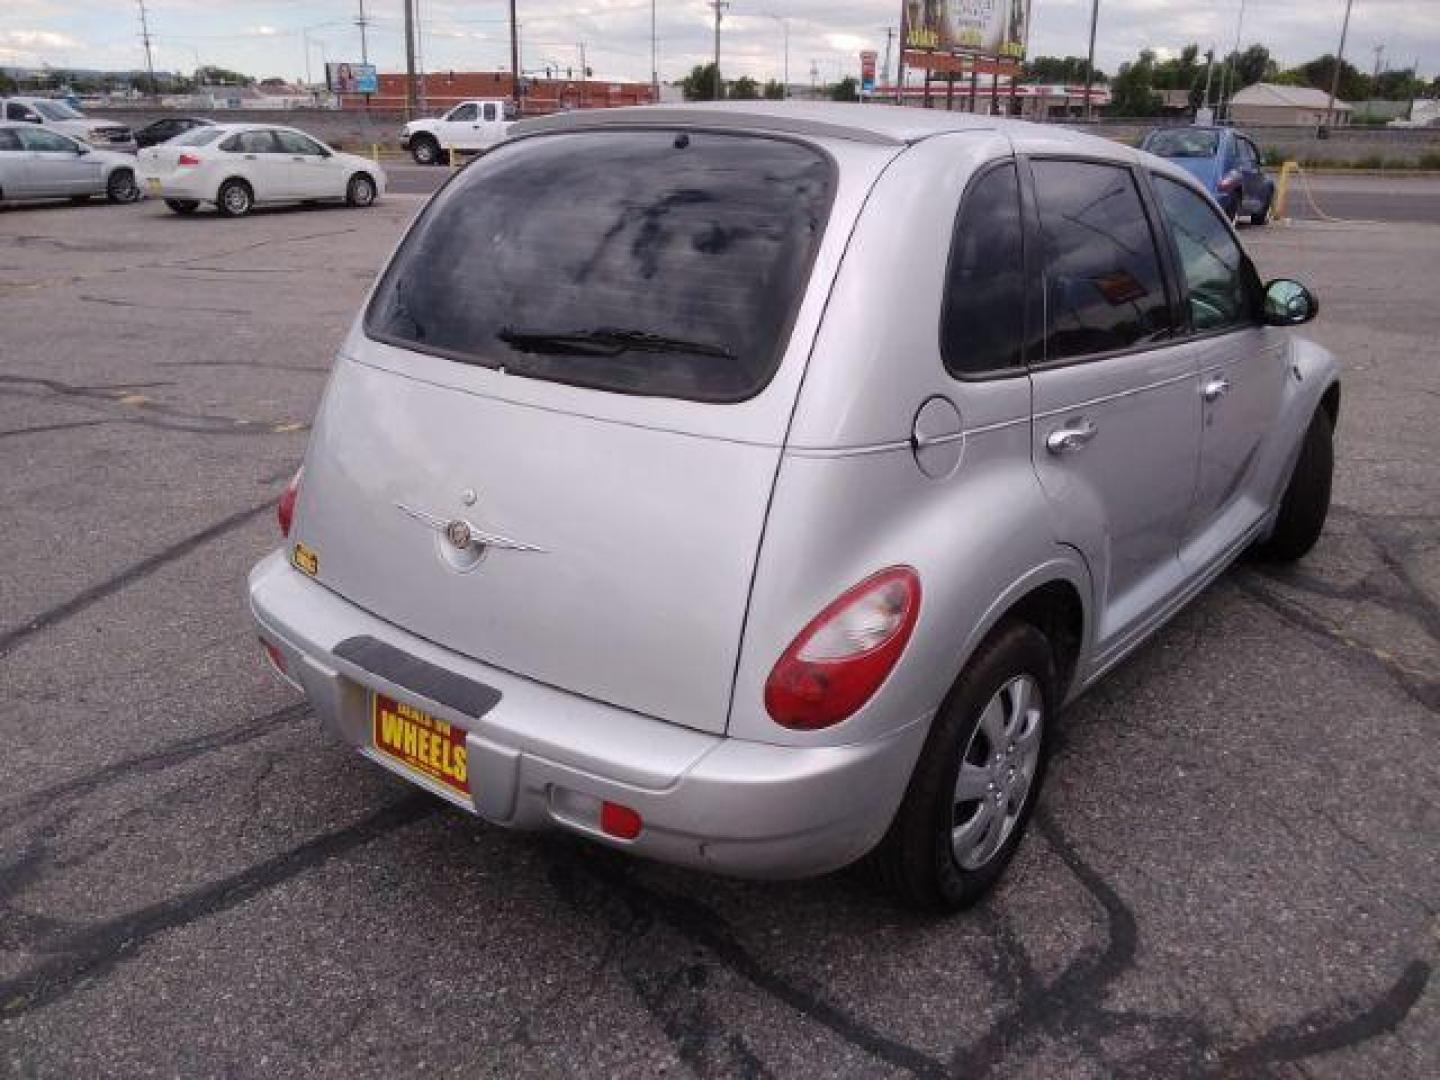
(1227,80)
(149,56)
(889,38)
(1090,57)
(1339,59)
(514,60)
(409,58)
(584,74)
(1209,67)
(362,22)
(654,59)
(719,6)
(1379,52)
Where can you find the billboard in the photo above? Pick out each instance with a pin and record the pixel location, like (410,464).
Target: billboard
(345,78)
(867,71)
(988,27)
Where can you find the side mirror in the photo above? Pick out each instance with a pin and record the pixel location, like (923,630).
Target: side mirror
(1288,303)
(81,149)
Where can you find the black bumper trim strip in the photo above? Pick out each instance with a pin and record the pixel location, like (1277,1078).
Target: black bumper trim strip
(419,676)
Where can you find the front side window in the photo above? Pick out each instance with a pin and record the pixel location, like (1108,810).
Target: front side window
(462,112)
(16,111)
(1103,287)
(489,112)
(983,319)
(40,139)
(1216,274)
(664,263)
(292,142)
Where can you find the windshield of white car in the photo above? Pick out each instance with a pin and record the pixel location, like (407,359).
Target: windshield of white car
(655,262)
(197,137)
(56,110)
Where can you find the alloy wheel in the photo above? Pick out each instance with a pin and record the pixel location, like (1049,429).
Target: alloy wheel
(997,772)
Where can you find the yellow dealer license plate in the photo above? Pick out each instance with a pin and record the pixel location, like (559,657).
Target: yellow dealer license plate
(152,185)
(421,743)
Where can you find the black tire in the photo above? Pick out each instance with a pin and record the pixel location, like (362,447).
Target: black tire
(1306,501)
(183,206)
(1261,217)
(425,150)
(121,187)
(915,859)
(361,191)
(80,200)
(234,199)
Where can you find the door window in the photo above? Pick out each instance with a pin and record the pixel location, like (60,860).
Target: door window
(15,111)
(462,112)
(1103,288)
(9,140)
(252,142)
(983,320)
(292,142)
(1246,154)
(489,112)
(1215,271)
(40,139)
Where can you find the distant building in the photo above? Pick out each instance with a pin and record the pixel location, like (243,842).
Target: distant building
(1287,106)
(437,91)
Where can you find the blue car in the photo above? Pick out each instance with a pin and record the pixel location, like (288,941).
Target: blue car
(1222,159)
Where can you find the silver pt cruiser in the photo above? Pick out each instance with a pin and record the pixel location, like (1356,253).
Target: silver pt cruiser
(750,486)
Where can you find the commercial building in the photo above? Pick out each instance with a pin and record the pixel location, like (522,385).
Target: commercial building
(1288,106)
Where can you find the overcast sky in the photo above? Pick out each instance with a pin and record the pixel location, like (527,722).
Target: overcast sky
(263,37)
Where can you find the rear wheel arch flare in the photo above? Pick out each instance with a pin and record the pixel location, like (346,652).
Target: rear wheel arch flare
(1330,402)
(1055,608)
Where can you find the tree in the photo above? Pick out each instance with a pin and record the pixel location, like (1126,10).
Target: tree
(7,84)
(273,81)
(218,76)
(1069,70)
(699,85)
(1132,90)
(1399,85)
(1252,65)
(744,89)
(847,89)
(1319,73)
(774,90)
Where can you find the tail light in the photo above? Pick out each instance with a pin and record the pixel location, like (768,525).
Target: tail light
(840,659)
(188,159)
(285,509)
(1230,181)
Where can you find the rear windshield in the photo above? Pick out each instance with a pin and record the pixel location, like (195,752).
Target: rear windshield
(657,262)
(202,136)
(1182,142)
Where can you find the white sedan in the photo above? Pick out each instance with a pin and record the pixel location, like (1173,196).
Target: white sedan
(239,166)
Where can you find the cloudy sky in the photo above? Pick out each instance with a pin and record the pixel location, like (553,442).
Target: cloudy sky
(263,37)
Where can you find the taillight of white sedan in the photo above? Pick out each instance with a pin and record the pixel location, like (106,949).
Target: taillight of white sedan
(238,166)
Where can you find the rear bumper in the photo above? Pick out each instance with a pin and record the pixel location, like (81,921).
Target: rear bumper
(177,185)
(543,758)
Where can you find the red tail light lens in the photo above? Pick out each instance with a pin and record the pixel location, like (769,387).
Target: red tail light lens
(838,661)
(1230,181)
(619,821)
(188,159)
(285,509)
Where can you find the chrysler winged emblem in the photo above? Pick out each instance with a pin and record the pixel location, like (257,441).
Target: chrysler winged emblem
(463,535)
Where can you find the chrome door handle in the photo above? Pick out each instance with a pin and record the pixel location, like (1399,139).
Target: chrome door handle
(250,157)
(1071,437)
(1215,389)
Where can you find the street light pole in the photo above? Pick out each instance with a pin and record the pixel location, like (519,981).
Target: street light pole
(1339,59)
(1090,57)
(654,59)
(719,6)
(514,59)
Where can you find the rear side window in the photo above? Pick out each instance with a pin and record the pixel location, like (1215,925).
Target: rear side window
(9,140)
(489,112)
(1218,285)
(644,262)
(984,307)
(251,142)
(1103,288)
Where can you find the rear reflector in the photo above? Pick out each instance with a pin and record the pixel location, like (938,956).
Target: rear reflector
(276,656)
(839,660)
(619,821)
(285,509)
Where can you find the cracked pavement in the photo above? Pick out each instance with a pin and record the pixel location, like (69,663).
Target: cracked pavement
(1235,870)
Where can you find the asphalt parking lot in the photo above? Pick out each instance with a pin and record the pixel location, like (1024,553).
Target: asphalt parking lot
(1236,869)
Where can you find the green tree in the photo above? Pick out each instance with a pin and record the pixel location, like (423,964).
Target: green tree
(847,89)
(744,89)
(218,76)
(1069,70)
(1252,66)
(1132,91)
(1319,72)
(774,90)
(1399,85)
(699,85)
(7,84)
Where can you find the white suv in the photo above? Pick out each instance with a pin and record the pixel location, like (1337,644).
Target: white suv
(60,117)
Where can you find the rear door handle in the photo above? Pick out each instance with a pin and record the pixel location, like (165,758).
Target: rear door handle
(1215,389)
(250,157)
(1071,437)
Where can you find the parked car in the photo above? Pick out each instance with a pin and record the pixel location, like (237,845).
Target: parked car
(166,128)
(37,163)
(749,486)
(59,116)
(239,166)
(1225,161)
(468,127)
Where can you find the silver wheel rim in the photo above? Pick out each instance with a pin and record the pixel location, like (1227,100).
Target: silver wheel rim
(125,188)
(997,772)
(425,152)
(364,193)
(236,201)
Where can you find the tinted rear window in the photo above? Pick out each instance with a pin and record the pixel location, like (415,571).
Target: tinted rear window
(1182,142)
(646,262)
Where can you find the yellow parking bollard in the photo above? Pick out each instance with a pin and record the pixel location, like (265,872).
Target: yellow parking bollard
(375,152)
(1282,189)
(453,159)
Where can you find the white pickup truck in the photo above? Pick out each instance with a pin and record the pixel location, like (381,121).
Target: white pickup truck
(467,128)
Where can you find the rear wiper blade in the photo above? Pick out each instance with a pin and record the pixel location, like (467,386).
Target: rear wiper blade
(606,341)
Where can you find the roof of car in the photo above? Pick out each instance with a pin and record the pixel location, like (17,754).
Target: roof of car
(884,125)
